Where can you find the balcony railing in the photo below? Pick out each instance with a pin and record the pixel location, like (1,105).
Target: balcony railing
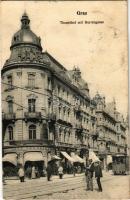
(8,116)
(63,144)
(30,142)
(81,146)
(52,116)
(79,126)
(78,110)
(32,115)
(64,122)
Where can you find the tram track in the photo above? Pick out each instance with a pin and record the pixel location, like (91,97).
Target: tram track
(45,188)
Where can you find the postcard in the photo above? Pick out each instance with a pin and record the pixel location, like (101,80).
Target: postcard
(64,97)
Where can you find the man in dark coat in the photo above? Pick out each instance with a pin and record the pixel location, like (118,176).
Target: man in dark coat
(29,172)
(89,174)
(98,175)
(49,172)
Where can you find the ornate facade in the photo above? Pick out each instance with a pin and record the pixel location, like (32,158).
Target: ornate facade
(111,129)
(47,109)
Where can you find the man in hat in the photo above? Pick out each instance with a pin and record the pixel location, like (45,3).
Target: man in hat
(98,174)
(49,171)
(89,174)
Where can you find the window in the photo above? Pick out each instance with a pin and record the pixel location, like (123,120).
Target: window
(10,131)
(63,93)
(31,105)
(32,132)
(67,95)
(58,90)
(49,105)
(10,106)
(31,80)
(49,83)
(59,112)
(10,82)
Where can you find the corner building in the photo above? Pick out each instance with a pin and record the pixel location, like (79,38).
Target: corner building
(46,109)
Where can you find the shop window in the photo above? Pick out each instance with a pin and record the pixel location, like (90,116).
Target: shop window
(10,131)
(32,132)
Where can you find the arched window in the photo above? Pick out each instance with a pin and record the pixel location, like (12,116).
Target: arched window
(32,132)
(10,131)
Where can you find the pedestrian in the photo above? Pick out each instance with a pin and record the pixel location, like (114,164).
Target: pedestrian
(74,170)
(89,174)
(37,172)
(60,171)
(49,172)
(44,172)
(98,175)
(29,172)
(21,174)
(33,172)
(3,178)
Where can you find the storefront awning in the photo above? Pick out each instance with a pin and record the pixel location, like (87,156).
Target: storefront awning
(77,158)
(11,157)
(109,159)
(66,155)
(93,156)
(33,156)
(56,157)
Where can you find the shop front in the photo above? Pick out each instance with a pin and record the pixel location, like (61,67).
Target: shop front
(10,167)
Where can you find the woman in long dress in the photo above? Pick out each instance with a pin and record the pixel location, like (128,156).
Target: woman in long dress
(33,173)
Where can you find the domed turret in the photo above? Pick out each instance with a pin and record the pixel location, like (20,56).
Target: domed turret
(25,46)
(25,35)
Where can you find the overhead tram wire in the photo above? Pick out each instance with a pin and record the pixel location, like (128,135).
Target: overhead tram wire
(29,90)
(14,102)
(20,105)
(24,88)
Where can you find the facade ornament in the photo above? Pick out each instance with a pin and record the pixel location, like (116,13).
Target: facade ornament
(32,96)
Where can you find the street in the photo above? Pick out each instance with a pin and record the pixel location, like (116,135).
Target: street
(69,187)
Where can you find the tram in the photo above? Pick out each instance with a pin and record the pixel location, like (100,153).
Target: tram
(120,165)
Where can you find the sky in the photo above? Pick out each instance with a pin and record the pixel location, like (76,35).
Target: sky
(99,50)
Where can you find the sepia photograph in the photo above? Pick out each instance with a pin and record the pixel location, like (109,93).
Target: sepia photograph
(64,100)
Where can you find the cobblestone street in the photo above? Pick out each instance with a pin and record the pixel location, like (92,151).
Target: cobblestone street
(68,188)
(112,189)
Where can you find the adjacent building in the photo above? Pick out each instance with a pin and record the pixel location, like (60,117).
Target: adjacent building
(111,130)
(47,110)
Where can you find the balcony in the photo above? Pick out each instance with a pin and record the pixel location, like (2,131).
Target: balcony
(110,127)
(81,146)
(79,128)
(63,144)
(32,115)
(61,121)
(78,110)
(29,142)
(8,116)
(52,117)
